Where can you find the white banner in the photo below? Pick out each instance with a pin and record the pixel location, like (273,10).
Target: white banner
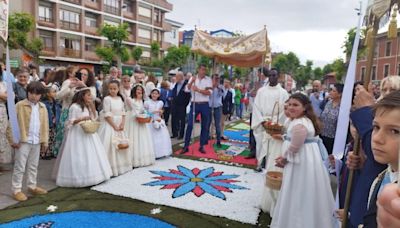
(4,19)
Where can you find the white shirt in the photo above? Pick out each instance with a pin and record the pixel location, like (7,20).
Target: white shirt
(34,125)
(201,84)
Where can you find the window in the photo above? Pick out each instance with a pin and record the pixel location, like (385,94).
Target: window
(45,13)
(91,21)
(373,73)
(47,38)
(386,70)
(388,48)
(111,6)
(90,45)
(157,16)
(127,7)
(146,54)
(173,33)
(111,23)
(69,20)
(362,73)
(130,29)
(72,44)
(144,12)
(155,36)
(144,33)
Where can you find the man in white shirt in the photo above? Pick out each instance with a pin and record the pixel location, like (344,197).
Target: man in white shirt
(201,89)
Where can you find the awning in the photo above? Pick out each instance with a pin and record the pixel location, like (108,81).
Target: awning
(242,51)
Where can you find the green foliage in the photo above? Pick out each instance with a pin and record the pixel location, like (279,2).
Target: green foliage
(204,60)
(240,72)
(155,49)
(349,42)
(339,68)
(318,74)
(328,68)
(286,63)
(106,53)
(19,26)
(115,35)
(137,53)
(176,57)
(303,74)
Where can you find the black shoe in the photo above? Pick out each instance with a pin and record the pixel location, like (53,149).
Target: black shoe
(250,157)
(185,150)
(180,137)
(219,145)
(258,169)
(174,136)
(201,150)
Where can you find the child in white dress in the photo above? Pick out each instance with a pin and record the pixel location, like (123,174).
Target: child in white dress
(111,130)
(138,133)
(161,139)
(84,161)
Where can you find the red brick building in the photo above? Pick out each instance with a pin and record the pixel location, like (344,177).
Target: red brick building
(386,60)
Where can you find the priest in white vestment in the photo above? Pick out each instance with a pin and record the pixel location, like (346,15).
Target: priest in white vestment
(267,147)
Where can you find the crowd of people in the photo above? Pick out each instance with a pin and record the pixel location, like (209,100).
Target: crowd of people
(52,111)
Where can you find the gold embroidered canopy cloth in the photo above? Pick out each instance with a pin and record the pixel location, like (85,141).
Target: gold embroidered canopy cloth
(242,51)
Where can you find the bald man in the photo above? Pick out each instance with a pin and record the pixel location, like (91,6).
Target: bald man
(317,96)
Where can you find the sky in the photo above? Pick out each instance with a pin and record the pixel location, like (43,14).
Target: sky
(313,29)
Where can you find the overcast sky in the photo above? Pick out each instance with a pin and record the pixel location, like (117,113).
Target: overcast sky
(313,29)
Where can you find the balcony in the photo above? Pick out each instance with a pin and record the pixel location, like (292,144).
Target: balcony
(92,5)
(46,22)
(165,45)
(143,19)
(167,27)
(91,56)
(91,30)
(131,38)
(112,9)
(130,15)
(78,2)
(66,52)
(144,41)
(157,24)
(48,51)
(161,3)
(70,25)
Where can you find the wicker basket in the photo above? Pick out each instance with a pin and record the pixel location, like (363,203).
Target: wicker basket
(123,146)
(274,180)
(142,119)
(272,127)
(90,126)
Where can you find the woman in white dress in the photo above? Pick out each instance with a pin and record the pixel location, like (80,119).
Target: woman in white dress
(111,130)
(84,161)
(138,134)
(5,148)
(306,198)
(161,139)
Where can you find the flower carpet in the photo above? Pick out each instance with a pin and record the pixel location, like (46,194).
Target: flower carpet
(211,189)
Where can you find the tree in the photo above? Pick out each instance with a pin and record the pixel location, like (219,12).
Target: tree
(349,42)
(115,35)
(137,53)
(176,57)
(318,73)
(286,63)
(303,74)
(327,69)
(339,68)
(155,50)
(204,60)
(19,26)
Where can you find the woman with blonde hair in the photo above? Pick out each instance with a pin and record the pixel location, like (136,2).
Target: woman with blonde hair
(389,84)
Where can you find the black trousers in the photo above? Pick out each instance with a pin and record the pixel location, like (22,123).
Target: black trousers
(328,142)
(178,115)
(252,140)
(166,114)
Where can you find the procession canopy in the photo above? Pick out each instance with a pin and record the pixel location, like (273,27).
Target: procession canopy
(242,51)
(379,9)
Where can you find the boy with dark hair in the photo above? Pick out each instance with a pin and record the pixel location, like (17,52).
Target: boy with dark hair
(34,134)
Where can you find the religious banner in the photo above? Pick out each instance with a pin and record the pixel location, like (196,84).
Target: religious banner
(4,19)
(242,51)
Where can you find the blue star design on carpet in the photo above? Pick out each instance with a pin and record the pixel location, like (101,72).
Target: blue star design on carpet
(184,180)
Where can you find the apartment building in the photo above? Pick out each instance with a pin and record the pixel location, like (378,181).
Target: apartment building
(69,28)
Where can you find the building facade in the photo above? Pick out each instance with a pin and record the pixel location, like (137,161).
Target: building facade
(172,37)
(68,28)
(386,59)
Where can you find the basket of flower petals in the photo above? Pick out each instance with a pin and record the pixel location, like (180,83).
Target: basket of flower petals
(224,157)
(272,127)
(143,118)
(274,180)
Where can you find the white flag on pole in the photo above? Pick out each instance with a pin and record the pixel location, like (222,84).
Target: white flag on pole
(4,19)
